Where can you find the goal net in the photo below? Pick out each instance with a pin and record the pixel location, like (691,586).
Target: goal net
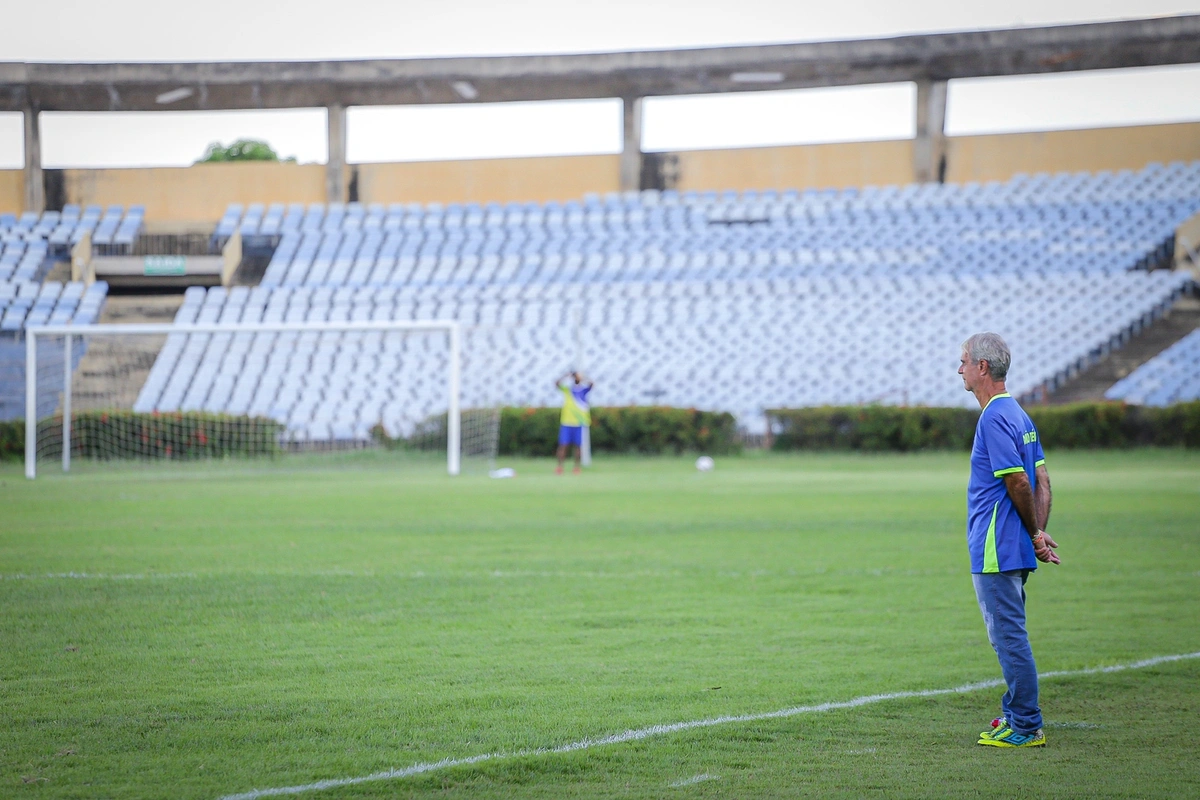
(229,390)
(482,400)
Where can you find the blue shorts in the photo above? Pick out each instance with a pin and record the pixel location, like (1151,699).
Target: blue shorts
(570,434)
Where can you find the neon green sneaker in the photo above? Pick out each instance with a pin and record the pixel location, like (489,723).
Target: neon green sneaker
(1011,738)
(999,728)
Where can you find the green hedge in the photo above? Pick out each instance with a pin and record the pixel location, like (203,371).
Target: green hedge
(113,434)
(12,440)
(872,428)
(889,428)
(631,429)
(625,429)
(1118,425)
(638,429)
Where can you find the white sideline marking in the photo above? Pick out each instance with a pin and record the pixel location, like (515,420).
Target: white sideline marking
(675,727)
(692,781)
(97,576)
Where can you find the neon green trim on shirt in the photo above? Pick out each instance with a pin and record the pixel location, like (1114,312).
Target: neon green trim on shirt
(1039,462)
(1009,471)
(997,397)
(991,561)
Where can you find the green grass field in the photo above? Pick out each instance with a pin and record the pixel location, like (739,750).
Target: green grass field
(204,631)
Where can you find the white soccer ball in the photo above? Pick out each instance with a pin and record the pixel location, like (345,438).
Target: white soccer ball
(704,464)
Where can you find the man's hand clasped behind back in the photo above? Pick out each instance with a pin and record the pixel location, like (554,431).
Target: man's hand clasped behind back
(1043,548)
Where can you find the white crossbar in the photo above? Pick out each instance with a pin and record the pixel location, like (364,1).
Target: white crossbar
(249,327)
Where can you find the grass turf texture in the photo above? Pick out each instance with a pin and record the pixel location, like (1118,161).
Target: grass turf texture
(253,626)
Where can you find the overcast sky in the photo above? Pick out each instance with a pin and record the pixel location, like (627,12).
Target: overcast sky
(154,30)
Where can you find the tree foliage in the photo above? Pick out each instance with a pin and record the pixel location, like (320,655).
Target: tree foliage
(241,150)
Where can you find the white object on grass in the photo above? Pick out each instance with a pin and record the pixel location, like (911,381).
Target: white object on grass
(503,472)
(704,464)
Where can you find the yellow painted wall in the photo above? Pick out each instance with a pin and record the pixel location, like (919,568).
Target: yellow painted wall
(200,193)
(197,193)
(969,158)
(798,167)
(12,190)
(485,180)
(1000,156)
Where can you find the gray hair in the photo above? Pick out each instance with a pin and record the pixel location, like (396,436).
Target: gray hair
(989,347)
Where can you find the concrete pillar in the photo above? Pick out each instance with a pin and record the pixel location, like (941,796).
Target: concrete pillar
(335,165)
(35,185)
(631,146)
(929,149)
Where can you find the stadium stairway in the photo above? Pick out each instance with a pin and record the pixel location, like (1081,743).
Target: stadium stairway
(114,369)
(1093,382)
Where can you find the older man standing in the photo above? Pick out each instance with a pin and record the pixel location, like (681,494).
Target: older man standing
(1008,506)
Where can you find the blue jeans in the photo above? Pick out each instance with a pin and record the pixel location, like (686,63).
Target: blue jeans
(1001,598)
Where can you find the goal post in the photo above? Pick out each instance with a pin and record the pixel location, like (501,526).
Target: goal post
(57,366)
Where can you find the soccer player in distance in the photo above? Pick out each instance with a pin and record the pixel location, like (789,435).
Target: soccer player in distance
(1008,506)
(575,414)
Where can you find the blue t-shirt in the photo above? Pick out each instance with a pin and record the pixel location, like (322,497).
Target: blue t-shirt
(1006,441)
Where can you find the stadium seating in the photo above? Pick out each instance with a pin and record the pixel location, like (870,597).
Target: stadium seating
(22,259)
(715,300)
(51,303)
(1042,223)
(29,244)
(741,346)
(1173,376)
(27,303)
(30,240)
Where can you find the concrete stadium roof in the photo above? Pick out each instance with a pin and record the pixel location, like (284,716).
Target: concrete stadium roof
(258,84)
